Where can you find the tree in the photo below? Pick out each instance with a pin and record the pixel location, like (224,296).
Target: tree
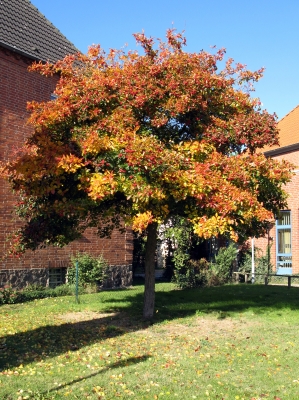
(135,139)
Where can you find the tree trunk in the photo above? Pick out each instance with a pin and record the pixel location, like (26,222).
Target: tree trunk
(149,281)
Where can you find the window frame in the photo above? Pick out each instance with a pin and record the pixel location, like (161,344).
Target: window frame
(280,268)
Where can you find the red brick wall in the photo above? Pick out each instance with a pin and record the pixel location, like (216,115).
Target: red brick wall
(292,189)
(17,86)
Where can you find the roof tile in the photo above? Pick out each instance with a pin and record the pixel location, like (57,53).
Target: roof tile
(288,128)
(24,29)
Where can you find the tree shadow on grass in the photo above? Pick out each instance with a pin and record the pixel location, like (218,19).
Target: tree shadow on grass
(117,364)
(229,298)
(52,340)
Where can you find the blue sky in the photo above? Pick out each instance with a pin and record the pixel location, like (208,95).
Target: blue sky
(258,33)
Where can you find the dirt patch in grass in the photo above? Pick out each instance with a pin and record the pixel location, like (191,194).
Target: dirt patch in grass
(84,316)
(206,327)
(202,328)
(91,320)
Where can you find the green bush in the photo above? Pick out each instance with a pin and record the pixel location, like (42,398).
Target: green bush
(24,296)
(222,268)
(92,270)
(64,290)
(34,292)
(193,274)
(7,295)
(34,288)
(11,296)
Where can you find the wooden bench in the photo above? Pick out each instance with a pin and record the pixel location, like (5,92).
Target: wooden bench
(245,274)
(266,277)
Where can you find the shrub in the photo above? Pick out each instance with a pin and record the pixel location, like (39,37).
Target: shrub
(222,267)
(193,274)
(34,287)
(34,292)
(11,296)
(64,290)
(7,295)
(24,296)
(92,270)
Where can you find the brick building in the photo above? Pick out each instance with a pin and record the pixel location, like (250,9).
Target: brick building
(27,36)
(283,237)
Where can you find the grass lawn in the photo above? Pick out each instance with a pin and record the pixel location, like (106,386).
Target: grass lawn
(231,342)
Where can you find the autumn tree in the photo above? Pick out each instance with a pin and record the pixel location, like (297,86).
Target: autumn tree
(137,138)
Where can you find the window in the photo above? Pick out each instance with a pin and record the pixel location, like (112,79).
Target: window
(284,243)
(53,96)
(56,276)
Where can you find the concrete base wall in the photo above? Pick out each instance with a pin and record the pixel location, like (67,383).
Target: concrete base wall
(117,276)
(18,279)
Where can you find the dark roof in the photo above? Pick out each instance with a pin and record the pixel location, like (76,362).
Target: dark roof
(26,31)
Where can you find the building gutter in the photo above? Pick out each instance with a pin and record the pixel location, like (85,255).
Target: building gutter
(18,51)
(282,150)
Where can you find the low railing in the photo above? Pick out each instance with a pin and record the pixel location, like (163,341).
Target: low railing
(248,277)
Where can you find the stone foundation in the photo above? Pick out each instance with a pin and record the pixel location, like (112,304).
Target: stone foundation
(20,278)
(117,276)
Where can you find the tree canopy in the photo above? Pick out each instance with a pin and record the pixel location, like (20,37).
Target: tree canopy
(136,138)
